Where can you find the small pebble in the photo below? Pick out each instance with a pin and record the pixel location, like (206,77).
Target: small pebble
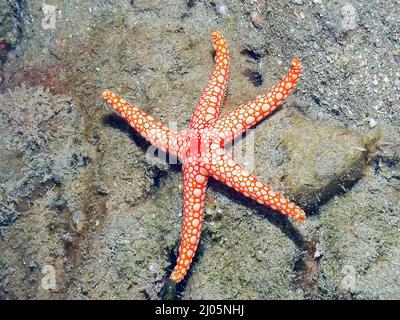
(257,20)
(372,123)
(152,268)
(78,219)
(349,17)
(318,254)
(318,251)
(221,8)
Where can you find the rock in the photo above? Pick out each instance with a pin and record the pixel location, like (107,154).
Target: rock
(372,123)
(221,7)
(349,17)
(130,250)
(247,257)
(41,135)
(43,142)
(318,159)
(361,245)
(324,159)
(78,219)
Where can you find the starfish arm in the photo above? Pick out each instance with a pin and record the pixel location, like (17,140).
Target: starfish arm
(153,131)
(247,115)
(214,93)
(225,169)
(194,189)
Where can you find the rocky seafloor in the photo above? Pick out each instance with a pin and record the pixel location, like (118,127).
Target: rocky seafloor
(84,214)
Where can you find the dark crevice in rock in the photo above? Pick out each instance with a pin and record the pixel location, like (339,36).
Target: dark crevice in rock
(191,3)
(307,269)
(79,161)
(158,177)
(255,77)
(316,99)
(7,217)
(251,54)
(388,161)
(169,289)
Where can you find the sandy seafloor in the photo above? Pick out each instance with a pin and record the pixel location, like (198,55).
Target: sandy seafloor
(85,215)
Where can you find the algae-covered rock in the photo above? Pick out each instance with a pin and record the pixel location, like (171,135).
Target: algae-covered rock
(247,257)
(55,195)
(128,254)
(310,161)
(324,159)
(38,145)
(41,144)
(8,25)
(360,244)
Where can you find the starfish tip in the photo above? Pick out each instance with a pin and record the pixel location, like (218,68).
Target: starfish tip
(296,63)
(106,94)
(216,33)
(217,38)
(301,217)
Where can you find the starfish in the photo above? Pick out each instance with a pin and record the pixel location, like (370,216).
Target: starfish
(201,147)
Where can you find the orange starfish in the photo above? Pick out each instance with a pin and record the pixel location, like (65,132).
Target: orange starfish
(201,148)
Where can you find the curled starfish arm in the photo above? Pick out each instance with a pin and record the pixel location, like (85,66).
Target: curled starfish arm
(239,120)
(194,189)
(150,129)
(214,93)
(225,169)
